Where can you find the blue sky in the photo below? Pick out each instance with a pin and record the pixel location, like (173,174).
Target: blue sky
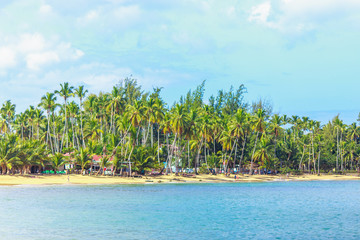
(303,55)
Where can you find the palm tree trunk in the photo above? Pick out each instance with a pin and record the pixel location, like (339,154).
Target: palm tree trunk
(319,161)
(275,146)
(147,134)
(73,133)
(242,152)
(232,149)
(38,131)
(342,153)
(168,150)
(158,150)
(235,154)
(55,138)
(47,132)
(152,135)
(81,124)
(309,161)
(198,157)
(313,151)
(207,166)
(132,149)
(302,157)
(48,136)
(337,149)
(66,130)
(111,118)
(214,143)
(252,156)
(188,153)
(171,153)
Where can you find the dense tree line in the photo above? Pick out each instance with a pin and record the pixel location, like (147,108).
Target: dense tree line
(136,129)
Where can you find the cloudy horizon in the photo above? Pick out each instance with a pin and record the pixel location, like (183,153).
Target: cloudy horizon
(300,54)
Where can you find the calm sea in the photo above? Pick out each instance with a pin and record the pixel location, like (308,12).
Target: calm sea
(276,210)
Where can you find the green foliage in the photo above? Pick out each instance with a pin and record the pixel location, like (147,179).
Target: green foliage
(129,124)
(203,169)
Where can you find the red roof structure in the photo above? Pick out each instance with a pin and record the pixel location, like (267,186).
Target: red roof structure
(97,158)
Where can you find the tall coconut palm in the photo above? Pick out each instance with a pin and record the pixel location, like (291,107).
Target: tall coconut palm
(238,129)
(48,103)
(65,92)
(38,120)
(8,113)
(259,128)
(262,154)
(228,142)
(159,116)
(73,110)
(338,126)
(178,124)
(275,124)
(80,92)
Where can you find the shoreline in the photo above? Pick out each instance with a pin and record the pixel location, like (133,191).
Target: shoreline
(74,179)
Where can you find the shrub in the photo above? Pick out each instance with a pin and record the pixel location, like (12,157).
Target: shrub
(203,169)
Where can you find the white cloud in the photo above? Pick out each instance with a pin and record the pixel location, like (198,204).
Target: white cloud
(35,60)
(89,17)
(298,16)
(31,43)
(117,16)
(35,51)
(93,14)
(127,14)
(67,52)
(260,13)
(231,11)
(45,9)
(7,57)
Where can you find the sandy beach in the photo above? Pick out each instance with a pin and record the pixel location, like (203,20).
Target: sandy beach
(79,179)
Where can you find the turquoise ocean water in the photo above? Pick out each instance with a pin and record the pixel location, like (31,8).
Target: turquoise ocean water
(276,210)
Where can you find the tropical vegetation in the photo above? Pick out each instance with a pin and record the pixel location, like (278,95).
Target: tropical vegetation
(137,130)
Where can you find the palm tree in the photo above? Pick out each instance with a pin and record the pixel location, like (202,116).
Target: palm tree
(338,126)
(8,153)
(104,163)
(82,158)
(8,112)
(135,115)
(166,129)
(57,160)
(66,91)
(262,153)
(73,109)
(80,92)
(20,122)
(178,124)
(276,123)
(48,103)
(206,128)
(259,128)
(159,116)
(38,119)
(117,163)
(143,159)
(238,127)
(228,142)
